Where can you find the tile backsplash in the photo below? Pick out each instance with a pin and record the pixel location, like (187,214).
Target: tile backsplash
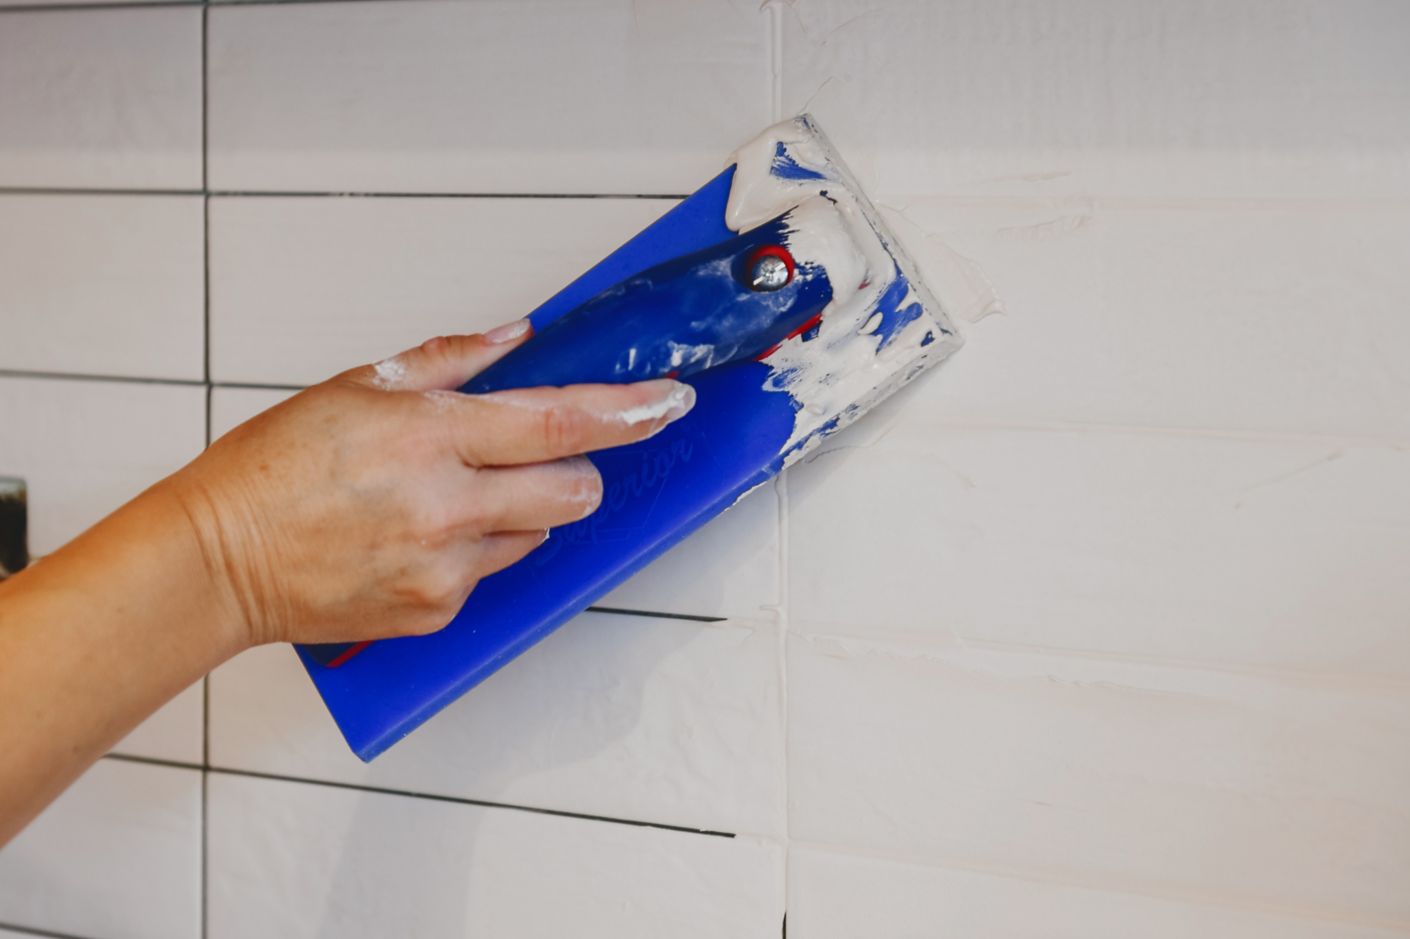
(1100,630)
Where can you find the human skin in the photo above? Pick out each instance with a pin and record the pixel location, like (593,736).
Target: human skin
(364,507)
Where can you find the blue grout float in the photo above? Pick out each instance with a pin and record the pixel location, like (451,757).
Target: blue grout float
(776,291)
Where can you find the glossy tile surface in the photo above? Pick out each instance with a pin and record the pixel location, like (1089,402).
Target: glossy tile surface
(117,855)
(102,285)
(107,99)
(291,859)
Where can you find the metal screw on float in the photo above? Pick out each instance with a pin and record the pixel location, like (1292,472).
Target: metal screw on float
(14,535)
(770,272)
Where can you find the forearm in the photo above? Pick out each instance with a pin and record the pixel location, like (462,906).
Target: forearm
(97,636)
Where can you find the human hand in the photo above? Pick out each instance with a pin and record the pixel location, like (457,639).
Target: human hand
(370,505)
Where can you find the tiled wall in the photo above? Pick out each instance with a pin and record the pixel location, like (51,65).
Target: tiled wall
(1102,630)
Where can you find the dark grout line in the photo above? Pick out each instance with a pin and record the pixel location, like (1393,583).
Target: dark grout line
(143,4)
(91,190)
(434,797)
(210,394)
(278,3)
(205,853)
(63,7)
(205,99)
(206,757)
(35,931)
(153,761)
(206,202)
(255,386)
(688,617)
(412,794)
(206,309)
(85,376)
(318,194)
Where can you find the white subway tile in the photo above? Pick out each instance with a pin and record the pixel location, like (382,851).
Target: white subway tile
(1271,553)
(117,855)
(294,859)
(530,97)
(302,288)
(633,717)
(1275,317)
(102,285)
(832,895)
(1142,99)
(1235,788)
(174,732)
(101,98)
(86,447)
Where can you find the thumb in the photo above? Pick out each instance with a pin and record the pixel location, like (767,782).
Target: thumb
(446,362)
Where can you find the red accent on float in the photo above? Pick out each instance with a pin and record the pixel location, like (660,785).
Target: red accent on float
(348,653)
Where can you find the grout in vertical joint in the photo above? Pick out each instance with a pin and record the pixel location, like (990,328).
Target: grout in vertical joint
(206,295)
(205,97)
(773,25)
(210,397)
(205,838)
(210,391)
(781,489)
(206,196)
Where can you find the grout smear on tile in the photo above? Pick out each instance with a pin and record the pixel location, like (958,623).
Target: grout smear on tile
(958,282)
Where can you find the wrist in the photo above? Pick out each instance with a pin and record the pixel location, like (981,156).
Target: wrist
(213,560)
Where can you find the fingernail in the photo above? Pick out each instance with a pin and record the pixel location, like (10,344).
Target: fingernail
(587,487)
(507,332)
(579,466)
(677,401)
(682,399)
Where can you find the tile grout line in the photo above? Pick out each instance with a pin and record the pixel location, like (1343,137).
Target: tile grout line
(40,375)
(384,194)
(88,5)
(81,6)
(91,191)
(329,193)
(209,770)
(210,395)
(656,614)
(38,931)
(774,16)
(773,24)
(915,646)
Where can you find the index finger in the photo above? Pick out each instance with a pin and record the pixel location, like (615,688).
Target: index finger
(534,425)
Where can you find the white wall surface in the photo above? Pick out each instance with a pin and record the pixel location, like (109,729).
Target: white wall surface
(1102,630)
